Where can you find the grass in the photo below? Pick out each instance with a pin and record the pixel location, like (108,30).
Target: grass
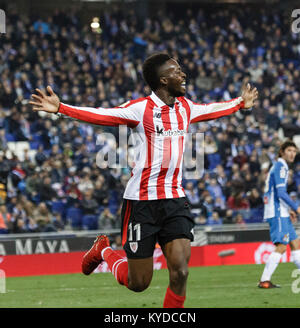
(208,287)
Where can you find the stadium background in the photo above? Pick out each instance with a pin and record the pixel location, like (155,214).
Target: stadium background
(50,182)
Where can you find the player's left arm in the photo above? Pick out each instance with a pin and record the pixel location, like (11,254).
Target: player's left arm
(293,216)
(280,175)
(206,112)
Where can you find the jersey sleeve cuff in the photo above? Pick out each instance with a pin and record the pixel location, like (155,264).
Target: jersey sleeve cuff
(242,103)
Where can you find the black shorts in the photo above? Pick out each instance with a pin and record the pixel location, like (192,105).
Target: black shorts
(146,222)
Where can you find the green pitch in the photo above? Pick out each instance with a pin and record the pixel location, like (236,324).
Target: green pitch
(208,287)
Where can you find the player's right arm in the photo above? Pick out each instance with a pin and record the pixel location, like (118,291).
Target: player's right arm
(280,174)
(100,116)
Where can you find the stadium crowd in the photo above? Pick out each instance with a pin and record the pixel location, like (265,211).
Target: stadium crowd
(56,184)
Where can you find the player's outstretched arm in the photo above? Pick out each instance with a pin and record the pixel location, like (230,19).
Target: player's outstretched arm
(101,116)
(206,112)
(249,95)
(43,102)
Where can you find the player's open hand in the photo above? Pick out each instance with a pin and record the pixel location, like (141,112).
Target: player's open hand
(43,102)
(249,95)
(293,216)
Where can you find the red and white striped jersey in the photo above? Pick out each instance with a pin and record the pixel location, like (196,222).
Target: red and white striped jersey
(161,130)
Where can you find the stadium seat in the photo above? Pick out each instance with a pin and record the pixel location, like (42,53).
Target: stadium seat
(214,160)
(58,206)
(74,216)
(100,210)
(113,208)
(90,222)
(37,137)
(256,215)
(34,144)
(10,137)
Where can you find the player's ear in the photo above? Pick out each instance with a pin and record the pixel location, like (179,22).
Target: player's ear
(163,81)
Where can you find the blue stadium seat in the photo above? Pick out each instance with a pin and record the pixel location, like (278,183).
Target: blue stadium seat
(90,222)
(37,137)
(100,210)
(34,145)
(58,206)
(214,160)
(256,215)
(74,215)
(10,137)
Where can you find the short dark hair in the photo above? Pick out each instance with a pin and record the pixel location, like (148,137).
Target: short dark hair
(151,66)
(285,145)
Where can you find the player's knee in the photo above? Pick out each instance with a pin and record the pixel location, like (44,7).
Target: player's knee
(138,285)
(280,248)
(179,275)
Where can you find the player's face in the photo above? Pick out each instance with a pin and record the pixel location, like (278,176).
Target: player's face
(289,154)
(173,78)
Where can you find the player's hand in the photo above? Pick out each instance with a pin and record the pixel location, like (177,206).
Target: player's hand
(293,216)
(249,95)
(298,210)
(43,102)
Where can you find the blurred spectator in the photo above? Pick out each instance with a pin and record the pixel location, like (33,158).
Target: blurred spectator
(45,190)
(57,221)
(255,200)
(295,198)
(228,217)
(101,191)
(106,220)
(238,202)
(117,243)
(200,220)
(42,217)
(5,220)
(214,189)
(192,195)
(88,204)
(214,219)
(238,219)
(32,184)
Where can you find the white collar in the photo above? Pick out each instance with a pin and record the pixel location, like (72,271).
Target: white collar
(280,159)
(158,102)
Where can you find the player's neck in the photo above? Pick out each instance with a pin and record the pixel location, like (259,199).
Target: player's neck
(285,160)
(165,97)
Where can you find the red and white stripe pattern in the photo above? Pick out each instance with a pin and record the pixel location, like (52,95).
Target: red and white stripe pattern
(161,132)
(116,266)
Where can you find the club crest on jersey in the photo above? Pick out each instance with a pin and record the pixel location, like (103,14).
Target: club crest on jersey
(286,238)
(282,173)
(133,246)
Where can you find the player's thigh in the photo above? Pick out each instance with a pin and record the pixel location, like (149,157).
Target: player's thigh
(294,239)
(138,229)
(177,253)
(140,272)
(295,244)
(279,230)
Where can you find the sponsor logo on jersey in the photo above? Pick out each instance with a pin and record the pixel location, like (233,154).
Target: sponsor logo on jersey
(169,133)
